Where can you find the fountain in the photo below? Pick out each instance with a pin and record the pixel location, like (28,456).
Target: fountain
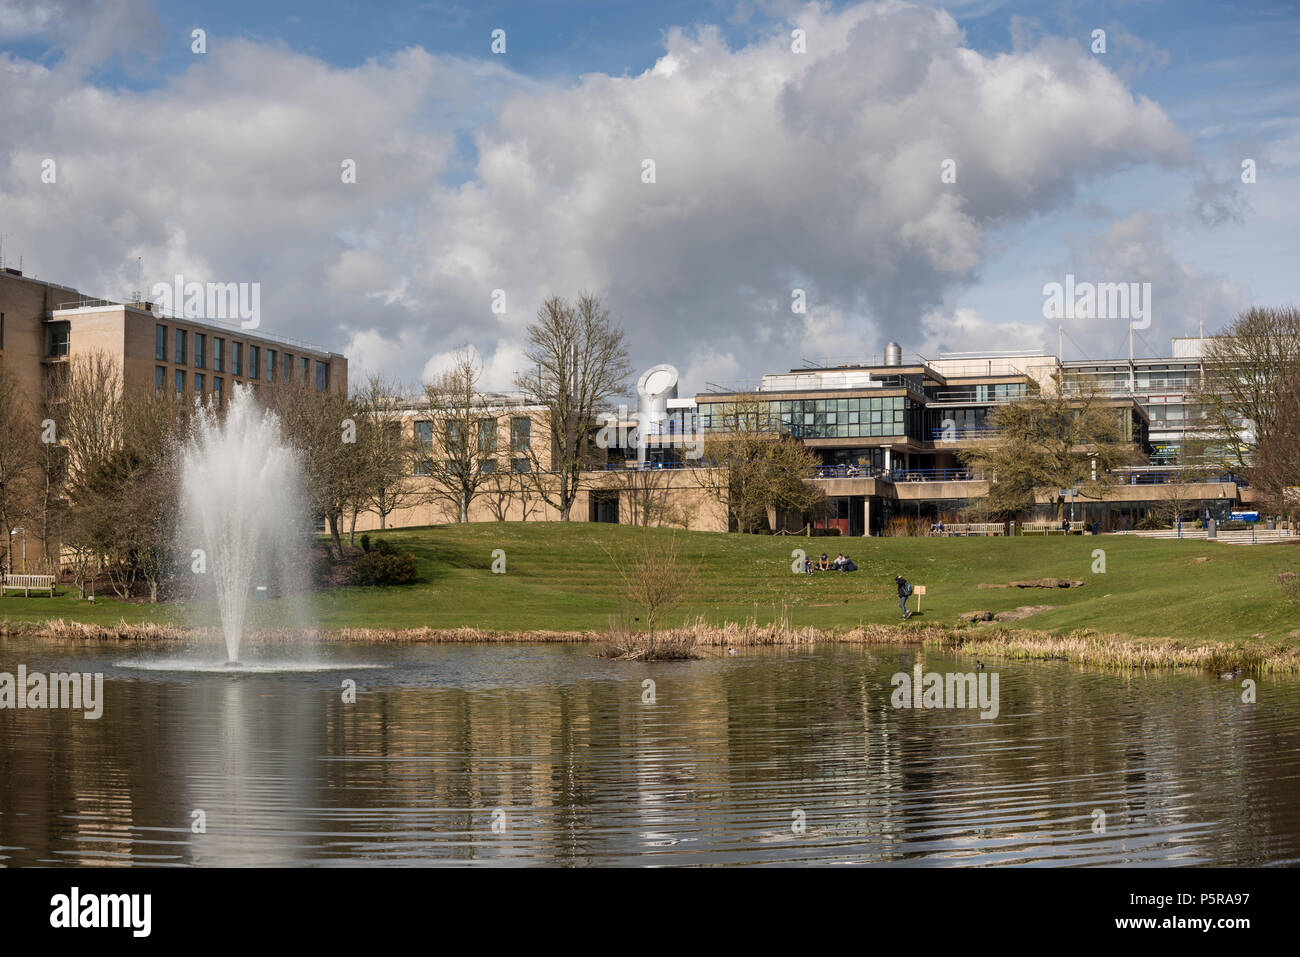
(242,508)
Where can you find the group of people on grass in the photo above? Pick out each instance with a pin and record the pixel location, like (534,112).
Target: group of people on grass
(842,563)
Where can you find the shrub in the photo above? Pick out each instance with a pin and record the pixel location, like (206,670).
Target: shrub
(365,542)
(1150,523)
(384,568)
(322,567)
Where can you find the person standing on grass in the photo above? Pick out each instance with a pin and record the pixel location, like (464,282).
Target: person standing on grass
(904,591)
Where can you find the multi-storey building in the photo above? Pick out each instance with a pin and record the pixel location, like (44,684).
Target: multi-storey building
(45,327)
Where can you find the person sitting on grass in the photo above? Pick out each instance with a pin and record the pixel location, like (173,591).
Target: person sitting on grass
(808,566)
(838,564)
(824,564)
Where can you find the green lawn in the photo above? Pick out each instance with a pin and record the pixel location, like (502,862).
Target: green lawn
(559,578)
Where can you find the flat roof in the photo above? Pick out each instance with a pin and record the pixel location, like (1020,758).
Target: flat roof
(103,305)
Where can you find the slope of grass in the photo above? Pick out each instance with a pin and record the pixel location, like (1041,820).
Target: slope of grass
(558,577)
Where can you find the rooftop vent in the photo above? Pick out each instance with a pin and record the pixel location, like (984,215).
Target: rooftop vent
(893,354)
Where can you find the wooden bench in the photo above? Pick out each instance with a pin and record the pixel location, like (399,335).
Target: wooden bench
(974,528)
(1040,528)
(28,583)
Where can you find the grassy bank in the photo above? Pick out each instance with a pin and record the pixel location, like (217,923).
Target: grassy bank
(1177,596)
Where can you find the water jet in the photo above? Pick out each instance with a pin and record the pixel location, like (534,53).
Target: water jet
(244,519)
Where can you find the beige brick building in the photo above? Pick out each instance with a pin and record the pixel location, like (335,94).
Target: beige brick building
(44,327)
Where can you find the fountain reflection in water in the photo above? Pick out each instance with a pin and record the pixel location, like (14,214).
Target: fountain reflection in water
(242,505)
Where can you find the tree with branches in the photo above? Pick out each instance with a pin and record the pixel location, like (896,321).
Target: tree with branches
(462,442)
(1246,369)
(1051,440)
(579,361)
(755,467)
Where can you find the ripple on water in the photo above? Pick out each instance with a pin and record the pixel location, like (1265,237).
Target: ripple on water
(510,755)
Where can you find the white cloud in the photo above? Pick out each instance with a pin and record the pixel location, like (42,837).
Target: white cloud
(775,170)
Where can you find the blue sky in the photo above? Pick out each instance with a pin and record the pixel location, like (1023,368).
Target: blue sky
(484,171)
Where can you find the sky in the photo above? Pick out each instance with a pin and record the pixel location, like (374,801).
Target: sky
(750,185)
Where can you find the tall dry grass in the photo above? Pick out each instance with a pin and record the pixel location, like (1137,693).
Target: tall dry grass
(1084,647)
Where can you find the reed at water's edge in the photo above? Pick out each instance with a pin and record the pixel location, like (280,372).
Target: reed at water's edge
(1084,646)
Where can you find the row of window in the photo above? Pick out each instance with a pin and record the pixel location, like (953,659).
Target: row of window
(822,418)
(180,341)
(520,434)
(990,392)
(200,381)
(485,467)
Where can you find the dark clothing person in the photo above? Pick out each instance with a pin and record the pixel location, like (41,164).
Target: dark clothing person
(904,591)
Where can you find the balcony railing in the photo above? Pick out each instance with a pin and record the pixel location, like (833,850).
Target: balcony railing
(1174,478)
(951,435)
(895,475)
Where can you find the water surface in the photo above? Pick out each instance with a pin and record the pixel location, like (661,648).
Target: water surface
(528,754)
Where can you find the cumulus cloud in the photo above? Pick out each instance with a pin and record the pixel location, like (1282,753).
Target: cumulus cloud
(774,170)
(965,330)
(1137,249)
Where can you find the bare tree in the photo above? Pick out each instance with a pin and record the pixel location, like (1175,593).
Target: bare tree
(387,452)
(655,576)
(1052,440)
(579,361)
(461,446)
(49,485)
(1185,483)
(319,425)
(1275,465)
(756,467)
(1247,367)
(18,461)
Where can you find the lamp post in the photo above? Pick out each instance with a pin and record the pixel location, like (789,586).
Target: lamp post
(12,533)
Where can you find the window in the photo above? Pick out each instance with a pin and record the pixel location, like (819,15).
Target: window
(455,437)
(159,376)
(254,361)
(160,343)
(236,358)
(487,466)
(520,434)
(322,375)
(424,439)
(198,382)
(200,343)
(180,346)
(180,382)
(520,465)
(57,337)
(2,330)
(270,365)
(288,367)
(218,357)
(487,435)
(216,387)
(305,369)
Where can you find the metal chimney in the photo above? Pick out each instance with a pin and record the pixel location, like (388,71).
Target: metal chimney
(893,354)
(656,386)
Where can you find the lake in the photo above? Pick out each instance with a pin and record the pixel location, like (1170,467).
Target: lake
(544,754)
